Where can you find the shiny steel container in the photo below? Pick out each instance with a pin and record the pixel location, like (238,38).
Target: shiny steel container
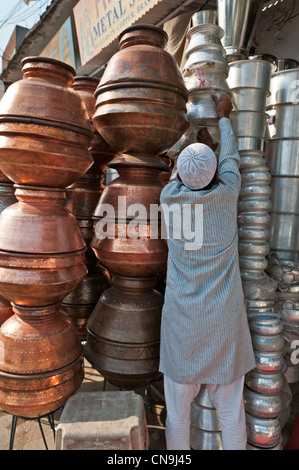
(238,18)
(265,433)
(284,88)
(205,429)
(204,17)
(285,125)
(268,384)
(269,362)
(249,124)
(250,98)
(261,405)
(251,75)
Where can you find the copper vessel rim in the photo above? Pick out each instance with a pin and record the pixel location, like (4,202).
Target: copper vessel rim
(86,77)
(44,375)
(44,307)
(142,84)
(48,60)
(46,122)
(17,254)
(143,26)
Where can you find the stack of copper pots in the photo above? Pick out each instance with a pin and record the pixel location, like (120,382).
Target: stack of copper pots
(81,199)
(140,111)
(45,136)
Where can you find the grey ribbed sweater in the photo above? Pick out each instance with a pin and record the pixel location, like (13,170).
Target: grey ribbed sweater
(205,336)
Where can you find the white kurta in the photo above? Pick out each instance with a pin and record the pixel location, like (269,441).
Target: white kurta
(205,336)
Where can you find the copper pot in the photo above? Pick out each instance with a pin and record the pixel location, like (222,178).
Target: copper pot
(141,97)
(39,280)
(130,256)
(39,371)
(124,332)
(39,394)
(82,197)
(39,223)
(79,304)
(44,141)
(101,151)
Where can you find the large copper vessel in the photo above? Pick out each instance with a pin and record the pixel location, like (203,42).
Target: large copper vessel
(45,136)
(124,331)
(43,104)
(141,99)
(140,111)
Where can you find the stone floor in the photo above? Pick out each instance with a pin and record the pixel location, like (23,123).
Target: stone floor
(28,435)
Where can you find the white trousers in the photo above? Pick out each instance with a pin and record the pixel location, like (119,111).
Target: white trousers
(228,401)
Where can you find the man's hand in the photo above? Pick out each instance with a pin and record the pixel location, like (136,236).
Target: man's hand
(223,106)
(204,137)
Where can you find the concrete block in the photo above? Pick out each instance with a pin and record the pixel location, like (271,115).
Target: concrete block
(103,421)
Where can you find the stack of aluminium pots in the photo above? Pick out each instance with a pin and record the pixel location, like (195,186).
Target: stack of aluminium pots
(45,136)
(141,112)
(205,429)
(205,74)
(81,199)
(282,157)
(249,81)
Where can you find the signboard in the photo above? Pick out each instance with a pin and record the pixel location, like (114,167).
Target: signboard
(61,46)
(99,22)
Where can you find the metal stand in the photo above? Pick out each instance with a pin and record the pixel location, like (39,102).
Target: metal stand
(50,418)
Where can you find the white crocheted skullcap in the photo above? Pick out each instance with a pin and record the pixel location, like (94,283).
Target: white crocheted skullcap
(197,165)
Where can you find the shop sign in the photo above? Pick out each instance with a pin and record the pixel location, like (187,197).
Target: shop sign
(61,46)
(99,22)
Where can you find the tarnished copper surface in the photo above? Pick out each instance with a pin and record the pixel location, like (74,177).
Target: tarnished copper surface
(49,80)
(82,197)
(101,151)
(122,254)
(39,280)
(5,310)
(140,111)
(124,332)
(28,347)
(44,141)
(39,223)
(141,98)
(39,394)
(79,304)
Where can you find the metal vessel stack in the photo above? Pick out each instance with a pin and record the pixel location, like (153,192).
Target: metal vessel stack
(205,74)
(249,80)
(282,158)
(123,331)
(205,429)
(81,199)
(44,148)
